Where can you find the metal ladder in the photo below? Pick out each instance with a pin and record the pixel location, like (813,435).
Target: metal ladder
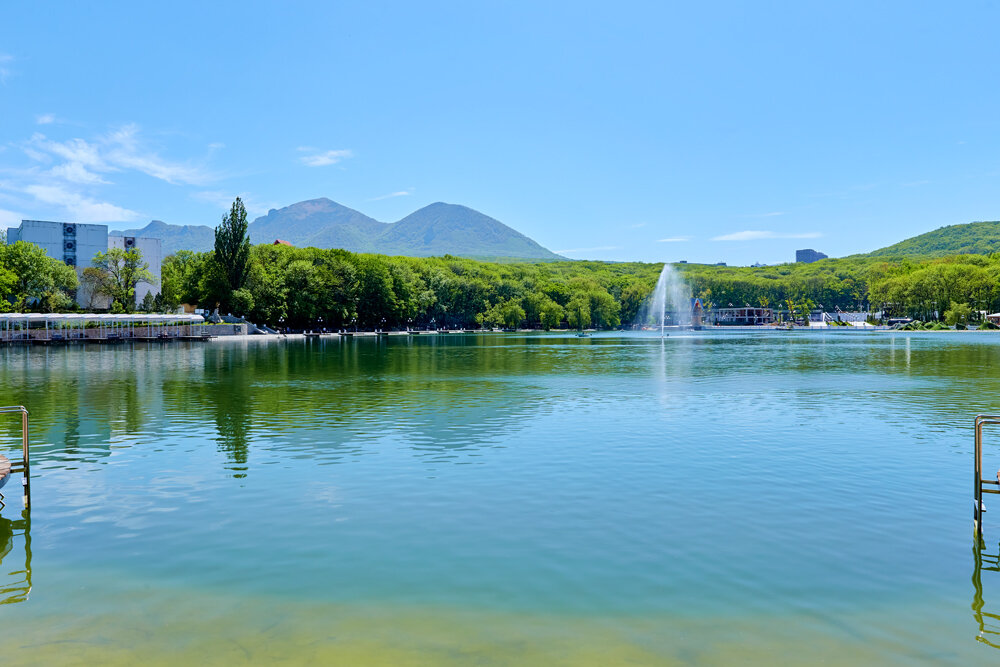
(24,466)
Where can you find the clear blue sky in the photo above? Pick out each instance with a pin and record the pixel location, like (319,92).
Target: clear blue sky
(627,130)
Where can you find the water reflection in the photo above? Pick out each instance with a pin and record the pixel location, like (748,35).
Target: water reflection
(445,398)
(15,579)
(989,623)
(231,401)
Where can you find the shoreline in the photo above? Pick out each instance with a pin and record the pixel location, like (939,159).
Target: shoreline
(368,335)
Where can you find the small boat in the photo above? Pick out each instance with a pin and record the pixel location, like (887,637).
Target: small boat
(583,335)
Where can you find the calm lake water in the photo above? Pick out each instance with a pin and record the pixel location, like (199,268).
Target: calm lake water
(501,499)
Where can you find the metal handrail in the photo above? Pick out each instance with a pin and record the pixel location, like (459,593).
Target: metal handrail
(25,468)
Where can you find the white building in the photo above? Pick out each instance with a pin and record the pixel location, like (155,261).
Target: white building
(76,244)
(151,253)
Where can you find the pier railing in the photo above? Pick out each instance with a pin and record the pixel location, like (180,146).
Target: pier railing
(24,467)
(981,483)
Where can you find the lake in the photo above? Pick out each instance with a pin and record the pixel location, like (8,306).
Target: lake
(707,498)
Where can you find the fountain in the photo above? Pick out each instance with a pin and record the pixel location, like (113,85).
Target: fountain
(671,295)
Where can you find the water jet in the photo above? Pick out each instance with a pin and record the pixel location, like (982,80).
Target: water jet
(671,299)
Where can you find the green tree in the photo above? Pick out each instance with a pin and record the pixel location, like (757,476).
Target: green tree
(959,313)
(232,248)
(512,314)
(633,298)
(29,275)
(179,278)
(267,283)
(376,301)
(552,315)
(115,274)
(242,301)
(7,282)
(603,308)
(578,312)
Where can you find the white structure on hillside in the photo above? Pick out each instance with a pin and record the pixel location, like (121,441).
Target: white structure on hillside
(76,244)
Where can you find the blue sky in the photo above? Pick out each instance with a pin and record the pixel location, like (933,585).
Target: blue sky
(732,132)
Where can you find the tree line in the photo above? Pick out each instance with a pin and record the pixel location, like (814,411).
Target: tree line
(281,285)
(284,286)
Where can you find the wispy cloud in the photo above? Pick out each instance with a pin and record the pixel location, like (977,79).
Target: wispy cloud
(756,235)
(318,158)
(674,239)
(74,172)
(638,225)
(772,214)
(45,119)
(84,209)
(29,189)
(126,150)
(402,193)
(5,60)
(67,175)
(121,149)
(594,249)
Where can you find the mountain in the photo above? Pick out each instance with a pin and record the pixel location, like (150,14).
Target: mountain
(176,237)
(441,229)
(438,229)
(973,238)
(320,223)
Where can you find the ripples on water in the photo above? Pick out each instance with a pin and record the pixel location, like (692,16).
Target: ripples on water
(540,498)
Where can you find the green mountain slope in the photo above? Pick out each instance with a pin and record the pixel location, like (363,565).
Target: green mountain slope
(320,223)
(974,238)
(451,229)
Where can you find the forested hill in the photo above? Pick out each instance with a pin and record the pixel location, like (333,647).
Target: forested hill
(451,229)
(318,223)
(974,238)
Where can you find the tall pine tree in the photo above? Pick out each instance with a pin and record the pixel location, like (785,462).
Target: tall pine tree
(232,247)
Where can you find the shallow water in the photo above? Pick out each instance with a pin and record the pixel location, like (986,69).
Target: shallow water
(706,498)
